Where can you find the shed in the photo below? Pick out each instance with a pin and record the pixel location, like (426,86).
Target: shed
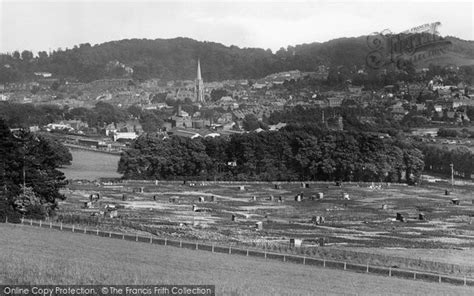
(295,242)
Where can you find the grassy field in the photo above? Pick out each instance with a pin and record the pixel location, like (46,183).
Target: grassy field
(42,256)
(88,165)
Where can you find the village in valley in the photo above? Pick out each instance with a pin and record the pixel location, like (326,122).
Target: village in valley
(342,154)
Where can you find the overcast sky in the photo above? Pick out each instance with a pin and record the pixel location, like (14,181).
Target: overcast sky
(41,25)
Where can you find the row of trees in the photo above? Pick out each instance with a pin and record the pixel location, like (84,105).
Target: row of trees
(29,179)
(298,154)
(439,160)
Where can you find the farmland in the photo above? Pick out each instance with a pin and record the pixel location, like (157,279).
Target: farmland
(357,217)
(28,256)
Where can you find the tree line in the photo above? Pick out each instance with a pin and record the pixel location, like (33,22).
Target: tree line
(439,160)
(176,59)
(29,175)
(287,155)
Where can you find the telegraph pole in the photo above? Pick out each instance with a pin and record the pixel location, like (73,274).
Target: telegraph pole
(452,176)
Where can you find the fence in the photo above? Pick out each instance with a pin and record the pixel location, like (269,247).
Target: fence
(249,252)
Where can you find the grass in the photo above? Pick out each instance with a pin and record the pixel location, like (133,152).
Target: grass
(88,165)
(42,256)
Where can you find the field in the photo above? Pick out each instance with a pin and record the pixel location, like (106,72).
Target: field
(88,165)
(43,256)
(364,221)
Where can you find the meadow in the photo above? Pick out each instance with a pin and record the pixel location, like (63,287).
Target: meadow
(42,256)
(89,165)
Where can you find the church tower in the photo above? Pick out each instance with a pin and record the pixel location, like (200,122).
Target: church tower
(199,87)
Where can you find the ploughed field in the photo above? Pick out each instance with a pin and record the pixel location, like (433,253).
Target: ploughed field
(348,217)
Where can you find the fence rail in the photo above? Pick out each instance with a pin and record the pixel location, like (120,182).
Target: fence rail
(248,252)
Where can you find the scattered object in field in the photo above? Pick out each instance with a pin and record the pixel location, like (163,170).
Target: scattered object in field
(137,190)
(233,218)
(446,192)
(277,186)
(124,197)
(318,220)
(295,242)
(112,213)
(213,198)
(339,183)
(242,188)
(192,184)
(303,185)
(321,241)
(154,197)
(201,199)
(298,197)
(421,216)
(402,217)
(200,210)
(94,197)
(88,204)
(174,199)
(455,201)
(313,197)
(195,223)
(259,225)
(320,195)
(272,197)
(345,196)
(254,198)
(281,199)
(384,207)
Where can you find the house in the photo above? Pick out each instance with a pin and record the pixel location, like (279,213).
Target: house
(124,135)
(334,101)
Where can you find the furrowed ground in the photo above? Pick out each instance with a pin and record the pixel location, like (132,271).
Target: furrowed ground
(42,256)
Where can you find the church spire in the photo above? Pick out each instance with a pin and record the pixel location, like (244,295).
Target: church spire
(199,71)
(199,87)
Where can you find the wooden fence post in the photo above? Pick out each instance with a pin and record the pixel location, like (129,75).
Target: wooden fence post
(61,225)
(97,231)
(414,275)
(212,248)
(40,223)
(284,258)
(439,280)
(390,271)
(72,228)
(367,267)
(247,252)
(151,239)
(345,265)
(110,233)
(230,250)
(324,262)
(304,260)
(166,241)
(85,229)
(180,243)
(31,222)
(136,237)
(197,246)
(50,224)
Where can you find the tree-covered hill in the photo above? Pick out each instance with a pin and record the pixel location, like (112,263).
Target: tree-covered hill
(176,59)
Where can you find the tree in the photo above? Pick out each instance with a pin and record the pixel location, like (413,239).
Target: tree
(26,55)
(29,172)
(251,122)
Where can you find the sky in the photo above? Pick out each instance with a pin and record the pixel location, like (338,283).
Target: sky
(49,25)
